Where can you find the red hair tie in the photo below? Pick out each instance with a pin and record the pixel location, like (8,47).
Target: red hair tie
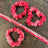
(14,7)
(24,27)
(10,41)
(39,14)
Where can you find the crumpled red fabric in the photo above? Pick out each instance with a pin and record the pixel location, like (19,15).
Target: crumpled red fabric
(14,7)
(39,14)
(20,39)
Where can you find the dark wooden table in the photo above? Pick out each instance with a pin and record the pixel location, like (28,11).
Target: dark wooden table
(30,41)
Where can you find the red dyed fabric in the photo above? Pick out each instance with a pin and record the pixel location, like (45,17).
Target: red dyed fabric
(14,7)
(20,39)
(39,14)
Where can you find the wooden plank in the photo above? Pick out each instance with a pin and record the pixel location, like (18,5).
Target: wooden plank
(30,41)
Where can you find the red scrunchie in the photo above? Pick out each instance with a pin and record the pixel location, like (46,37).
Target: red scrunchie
(14,7)
(10,41)
(39,14)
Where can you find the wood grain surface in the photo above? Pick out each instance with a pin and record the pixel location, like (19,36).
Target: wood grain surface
(30,41)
